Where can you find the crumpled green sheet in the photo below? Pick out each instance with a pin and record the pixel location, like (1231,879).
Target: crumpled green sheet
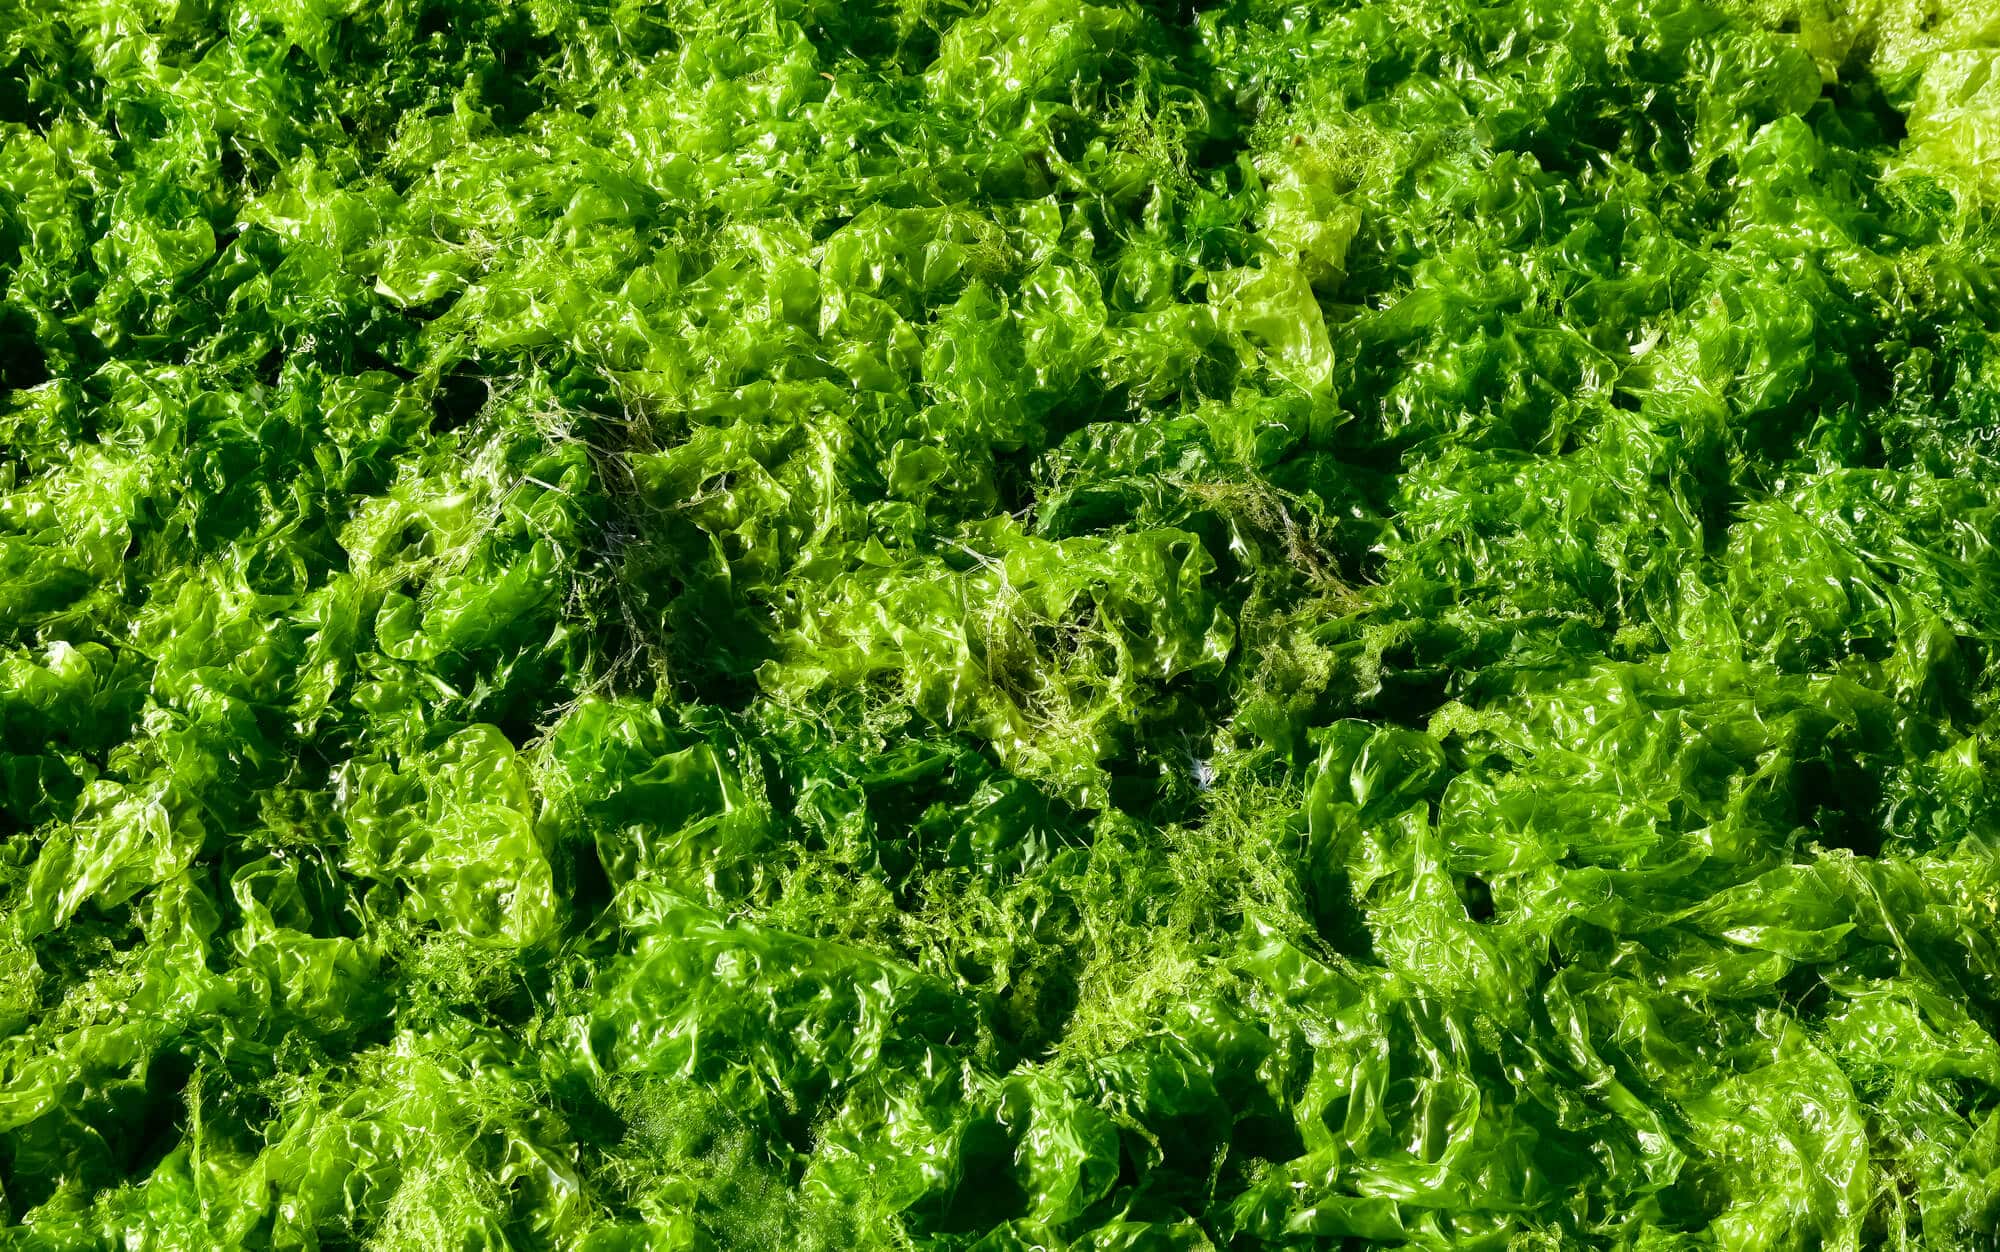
(998,626)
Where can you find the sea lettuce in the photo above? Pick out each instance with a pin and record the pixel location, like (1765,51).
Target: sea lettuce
(992,625)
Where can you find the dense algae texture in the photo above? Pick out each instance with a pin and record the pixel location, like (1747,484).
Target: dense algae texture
(1001,624)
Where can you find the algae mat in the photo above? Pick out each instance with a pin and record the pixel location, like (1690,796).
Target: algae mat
(999,624)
